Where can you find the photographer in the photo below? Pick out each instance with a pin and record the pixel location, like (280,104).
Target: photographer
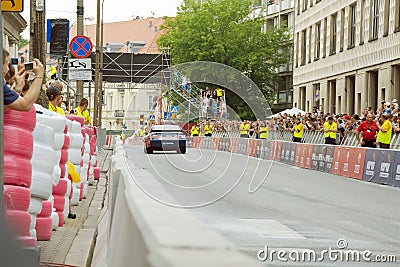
(11,98)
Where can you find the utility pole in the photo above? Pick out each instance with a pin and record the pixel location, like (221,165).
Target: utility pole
(79,31)
(97,89)
(100,106)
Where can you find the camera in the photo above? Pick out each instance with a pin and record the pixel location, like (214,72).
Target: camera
(14,60)
(28,66)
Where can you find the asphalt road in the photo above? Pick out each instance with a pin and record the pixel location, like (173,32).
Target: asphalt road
(294,210)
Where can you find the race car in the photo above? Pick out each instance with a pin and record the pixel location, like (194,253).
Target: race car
(165,138)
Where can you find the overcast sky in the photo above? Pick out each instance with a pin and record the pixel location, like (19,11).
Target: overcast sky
(114,10)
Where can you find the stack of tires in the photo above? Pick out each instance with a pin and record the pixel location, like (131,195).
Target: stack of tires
(18,149)
(75,157)
(61,191)
(48,141)
(85,163)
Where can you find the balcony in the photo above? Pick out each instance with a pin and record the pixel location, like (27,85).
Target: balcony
(120,113)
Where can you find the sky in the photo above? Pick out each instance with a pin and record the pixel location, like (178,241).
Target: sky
(114,10)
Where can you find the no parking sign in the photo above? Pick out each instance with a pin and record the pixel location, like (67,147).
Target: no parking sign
(80,46)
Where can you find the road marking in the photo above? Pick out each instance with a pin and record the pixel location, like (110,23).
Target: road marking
(273,228)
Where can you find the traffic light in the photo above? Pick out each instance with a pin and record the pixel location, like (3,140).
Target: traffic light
(141,119)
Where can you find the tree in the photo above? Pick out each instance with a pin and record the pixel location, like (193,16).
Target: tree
(22,42)
(228,32)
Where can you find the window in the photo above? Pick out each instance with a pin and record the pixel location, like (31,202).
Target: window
(122,102)
(362,22)
(352,26)
(152,102)
(298,7)
(317,41)
(297,49)
(303,46)
(333,34)
(325,34)
(342,14)
(375,20)
(397,17)
(309,44)
(110,102)
(305,5)
(386,18)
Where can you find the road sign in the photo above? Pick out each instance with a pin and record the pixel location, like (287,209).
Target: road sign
(80,75)
(12,5)
(152,117)
(80,64)
(174,109)
(80,69)
(80,46)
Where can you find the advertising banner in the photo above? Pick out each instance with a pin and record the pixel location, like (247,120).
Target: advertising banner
(356,164)
(308,154)
(395,175)
(329,152)
(292,151)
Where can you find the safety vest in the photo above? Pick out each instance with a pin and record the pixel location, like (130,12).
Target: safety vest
(243,128)
(208,129)
(298,130)
(84,114)
(194,131)
(332,126)
(56,109)
(384,137)
(263,132)
(141,132)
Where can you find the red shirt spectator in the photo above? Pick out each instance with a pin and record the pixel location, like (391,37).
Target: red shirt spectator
(368,129)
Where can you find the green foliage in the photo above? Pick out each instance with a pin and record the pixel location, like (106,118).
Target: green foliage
(22,42)
(227,32)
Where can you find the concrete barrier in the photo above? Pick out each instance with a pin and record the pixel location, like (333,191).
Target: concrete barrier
(136,230)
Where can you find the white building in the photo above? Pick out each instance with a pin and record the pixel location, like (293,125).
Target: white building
(346,54)
(14,24)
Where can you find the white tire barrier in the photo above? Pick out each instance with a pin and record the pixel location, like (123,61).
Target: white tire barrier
(42,185)
(35,205)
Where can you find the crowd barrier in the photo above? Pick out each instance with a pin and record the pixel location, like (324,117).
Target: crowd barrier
(380,166)
(136,230)
(311,137)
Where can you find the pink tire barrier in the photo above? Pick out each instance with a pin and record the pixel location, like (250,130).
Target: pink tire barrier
(59,202)
(17,197)
(17,171)
(27,241)
(19,221)
(96,173)
(43,228)
(63,170)
(81,192)
(61,219)
(61,187)
(67,142)
(64,156)
(18,142)
(81,120)
(46,209)
(21,119)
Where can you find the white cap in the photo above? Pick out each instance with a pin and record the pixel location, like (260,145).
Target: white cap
(387,104)
(394,100)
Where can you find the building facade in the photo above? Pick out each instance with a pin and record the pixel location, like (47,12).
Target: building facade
(281,12)
(14,24)
(346,54)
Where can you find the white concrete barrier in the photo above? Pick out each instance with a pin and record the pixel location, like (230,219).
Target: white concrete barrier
(135,230)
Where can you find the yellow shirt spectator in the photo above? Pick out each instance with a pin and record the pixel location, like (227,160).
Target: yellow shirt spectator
(385,136)
(330,130)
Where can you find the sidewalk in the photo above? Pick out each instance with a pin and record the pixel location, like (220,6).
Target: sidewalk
(72,244)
